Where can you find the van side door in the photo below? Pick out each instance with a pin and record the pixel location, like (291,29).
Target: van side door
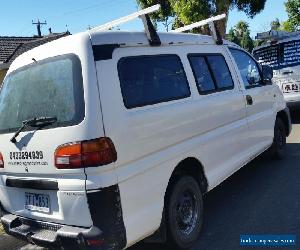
(259,101)
(221,112)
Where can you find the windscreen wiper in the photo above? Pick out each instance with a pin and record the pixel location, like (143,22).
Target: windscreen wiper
(37,122)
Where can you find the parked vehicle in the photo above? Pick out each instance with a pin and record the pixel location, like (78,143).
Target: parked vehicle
(108,137)
(282,53)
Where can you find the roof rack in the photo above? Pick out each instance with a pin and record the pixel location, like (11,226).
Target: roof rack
(143,14)
(210,21)
(150,31)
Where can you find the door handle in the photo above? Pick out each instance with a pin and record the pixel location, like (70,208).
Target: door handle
(249,99)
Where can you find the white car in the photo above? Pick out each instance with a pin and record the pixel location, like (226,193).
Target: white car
(107,138)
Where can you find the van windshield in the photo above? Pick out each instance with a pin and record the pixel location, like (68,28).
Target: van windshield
(47,88)
(281,55)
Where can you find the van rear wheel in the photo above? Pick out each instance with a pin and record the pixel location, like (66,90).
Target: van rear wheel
(184,213)
(278,148)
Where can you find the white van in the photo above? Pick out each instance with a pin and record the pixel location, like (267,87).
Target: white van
(107,138)
(282,53)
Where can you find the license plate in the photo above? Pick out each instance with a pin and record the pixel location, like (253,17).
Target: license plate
(290,87)
(37,202)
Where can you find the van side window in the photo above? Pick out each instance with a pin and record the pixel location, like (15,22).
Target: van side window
(211,72)
(248,68)
(220,71)
(149,80)
(202,74)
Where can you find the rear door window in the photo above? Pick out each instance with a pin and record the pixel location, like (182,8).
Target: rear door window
(211,73)
(47,88)
(147,80)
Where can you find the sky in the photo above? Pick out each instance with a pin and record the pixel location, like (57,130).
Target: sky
(77,15)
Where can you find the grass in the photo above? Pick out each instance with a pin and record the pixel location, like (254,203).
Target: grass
(1,229)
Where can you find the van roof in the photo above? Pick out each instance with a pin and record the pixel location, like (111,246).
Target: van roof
(124,38)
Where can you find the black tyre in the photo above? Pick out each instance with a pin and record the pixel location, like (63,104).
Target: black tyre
(184,213)
(278,148)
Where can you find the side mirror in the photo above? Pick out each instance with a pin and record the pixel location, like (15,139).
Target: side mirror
(267,73)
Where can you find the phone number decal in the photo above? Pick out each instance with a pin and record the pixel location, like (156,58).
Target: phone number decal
(31,155)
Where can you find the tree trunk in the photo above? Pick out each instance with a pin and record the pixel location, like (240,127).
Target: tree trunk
(222,6)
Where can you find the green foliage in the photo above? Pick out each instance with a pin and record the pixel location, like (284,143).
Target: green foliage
(250,7)
(165,13)
(185,12)
(287,26)
(293,23)
(240,35)
(275,25)
(247,42)
(232,36)
(293,11)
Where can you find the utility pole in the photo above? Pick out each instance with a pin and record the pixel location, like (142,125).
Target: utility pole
(38,26)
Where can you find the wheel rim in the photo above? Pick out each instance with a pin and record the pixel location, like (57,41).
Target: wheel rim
(187,212)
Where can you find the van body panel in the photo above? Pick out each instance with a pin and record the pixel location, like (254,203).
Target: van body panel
(261,113)
(159,136)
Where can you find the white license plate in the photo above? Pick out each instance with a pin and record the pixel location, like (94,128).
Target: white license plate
(37,202)
(290,87)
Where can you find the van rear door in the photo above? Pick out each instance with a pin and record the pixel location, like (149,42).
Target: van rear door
(34,183)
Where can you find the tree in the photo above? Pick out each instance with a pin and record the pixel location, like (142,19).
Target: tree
(275,25)
(240,35)
(247,42)
(189,11)
(232,36)
(163,15)
(293,10)
(287,26)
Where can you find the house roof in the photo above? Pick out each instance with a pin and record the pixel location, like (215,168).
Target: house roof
(8,45)
(12,47)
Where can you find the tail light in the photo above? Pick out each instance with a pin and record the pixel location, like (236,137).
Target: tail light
(90,153)
(1,161)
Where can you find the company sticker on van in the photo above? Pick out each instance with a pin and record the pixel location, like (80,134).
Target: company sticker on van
(27,158)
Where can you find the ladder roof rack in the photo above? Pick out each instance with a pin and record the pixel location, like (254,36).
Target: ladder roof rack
(143,14)
(210,22)
(150,31)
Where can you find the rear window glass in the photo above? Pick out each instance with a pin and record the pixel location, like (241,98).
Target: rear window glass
(147,80)
(281,55)
(47,88)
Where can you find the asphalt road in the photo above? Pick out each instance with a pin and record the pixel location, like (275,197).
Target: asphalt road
(261,198)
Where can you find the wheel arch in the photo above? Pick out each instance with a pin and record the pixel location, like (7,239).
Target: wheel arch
(189,166)
(193,167)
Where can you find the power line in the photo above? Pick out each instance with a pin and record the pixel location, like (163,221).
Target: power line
(105,3)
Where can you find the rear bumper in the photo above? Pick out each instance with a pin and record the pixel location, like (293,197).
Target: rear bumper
(108,230)
(53,235)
